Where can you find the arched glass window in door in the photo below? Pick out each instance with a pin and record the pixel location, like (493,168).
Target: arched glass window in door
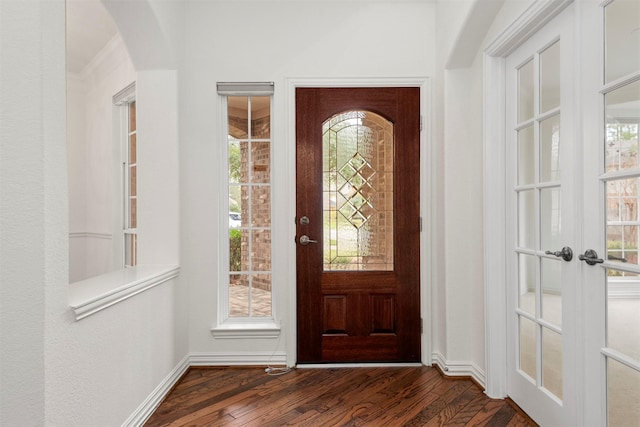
(358,192)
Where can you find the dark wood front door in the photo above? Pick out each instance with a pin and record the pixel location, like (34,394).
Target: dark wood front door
(358,224)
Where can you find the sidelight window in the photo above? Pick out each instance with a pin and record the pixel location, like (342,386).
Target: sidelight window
(248,155)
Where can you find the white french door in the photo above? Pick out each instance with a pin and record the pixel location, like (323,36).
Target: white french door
(541,184)
(611,299)
(573,182)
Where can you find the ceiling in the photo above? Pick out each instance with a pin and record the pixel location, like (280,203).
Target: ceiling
(89,29)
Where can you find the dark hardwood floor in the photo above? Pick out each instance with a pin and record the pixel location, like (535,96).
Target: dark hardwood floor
(407,396)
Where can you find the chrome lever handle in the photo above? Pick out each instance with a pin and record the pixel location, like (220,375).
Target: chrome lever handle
(305,240)
(565,253)
(590,257)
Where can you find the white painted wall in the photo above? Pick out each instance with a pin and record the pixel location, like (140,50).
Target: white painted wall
(273,41)
(462,135)
(55,371)
(23,221)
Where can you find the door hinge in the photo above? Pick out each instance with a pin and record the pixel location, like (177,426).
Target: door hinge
(421,325)
(420,122)
(421,224)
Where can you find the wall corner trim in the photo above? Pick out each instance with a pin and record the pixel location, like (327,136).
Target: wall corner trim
(452,368)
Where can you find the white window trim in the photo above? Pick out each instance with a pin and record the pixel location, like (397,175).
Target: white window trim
(237,327)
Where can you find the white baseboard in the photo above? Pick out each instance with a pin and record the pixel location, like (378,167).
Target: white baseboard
(144,411)
(459,368)
(356,365)
(253,358)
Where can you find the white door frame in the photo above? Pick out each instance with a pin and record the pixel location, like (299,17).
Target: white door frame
(494,139)
(428,171)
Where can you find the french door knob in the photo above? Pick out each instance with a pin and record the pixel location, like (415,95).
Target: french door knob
(590,257)
(565,253)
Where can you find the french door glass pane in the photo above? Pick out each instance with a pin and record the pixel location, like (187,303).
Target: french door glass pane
(552,361)
(622,43)
(550,78)
(526,219)
(525,92)
(623,395)
(550,219)
(527,283)
(622,118)
(526,158)
(358,192)
(551,283)
(622,220)
(550,149)
(528,358)
(623,313)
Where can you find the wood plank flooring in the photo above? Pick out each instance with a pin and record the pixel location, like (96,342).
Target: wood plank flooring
(402,396)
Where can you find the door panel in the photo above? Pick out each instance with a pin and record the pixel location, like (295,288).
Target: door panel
(612,219)
(541,278)
(358,224)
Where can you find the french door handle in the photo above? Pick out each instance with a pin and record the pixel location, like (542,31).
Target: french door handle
(590,257)
(565,253)
(305,240)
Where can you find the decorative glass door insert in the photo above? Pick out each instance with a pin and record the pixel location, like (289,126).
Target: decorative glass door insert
(358,192)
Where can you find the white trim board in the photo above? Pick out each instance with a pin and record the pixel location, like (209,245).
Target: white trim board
(356,365)
(452,368)
(151,403)
(253,358)
(89,234)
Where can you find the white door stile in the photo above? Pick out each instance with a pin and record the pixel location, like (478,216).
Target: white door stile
(591,132)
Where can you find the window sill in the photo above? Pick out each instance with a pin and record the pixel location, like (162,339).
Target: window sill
(92,295)
(238,329)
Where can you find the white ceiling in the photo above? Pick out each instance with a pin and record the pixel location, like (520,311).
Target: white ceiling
(89,29)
